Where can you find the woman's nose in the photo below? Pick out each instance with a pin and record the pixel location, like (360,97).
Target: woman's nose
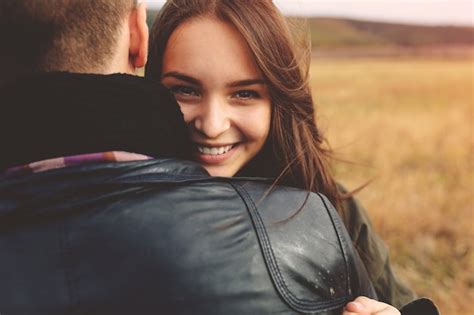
(213,119)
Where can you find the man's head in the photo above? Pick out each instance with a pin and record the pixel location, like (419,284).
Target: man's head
(95,36)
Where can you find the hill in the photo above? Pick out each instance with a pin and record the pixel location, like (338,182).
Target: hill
(334,32)
(151,14)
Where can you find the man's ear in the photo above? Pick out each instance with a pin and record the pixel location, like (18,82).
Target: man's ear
(138,51)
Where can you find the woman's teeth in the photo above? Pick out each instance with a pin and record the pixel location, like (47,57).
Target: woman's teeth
(214,150)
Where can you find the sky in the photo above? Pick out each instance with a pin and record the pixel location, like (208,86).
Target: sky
(429,12)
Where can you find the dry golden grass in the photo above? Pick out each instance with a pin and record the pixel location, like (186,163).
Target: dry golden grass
(409,125)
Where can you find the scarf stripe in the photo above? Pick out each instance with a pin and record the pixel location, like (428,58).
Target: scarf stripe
(74,160)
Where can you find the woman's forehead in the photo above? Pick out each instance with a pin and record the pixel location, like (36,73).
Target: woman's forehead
(207,45)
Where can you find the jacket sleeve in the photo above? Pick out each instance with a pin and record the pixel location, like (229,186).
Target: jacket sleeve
(374,255)
(420,306)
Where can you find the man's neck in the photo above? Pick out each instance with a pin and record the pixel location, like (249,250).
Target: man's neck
(63,114)
(11,71)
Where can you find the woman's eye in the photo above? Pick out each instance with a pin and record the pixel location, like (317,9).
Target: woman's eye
(247,94)
(183,90)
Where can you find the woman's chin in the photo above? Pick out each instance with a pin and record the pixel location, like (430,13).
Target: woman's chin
(219,172)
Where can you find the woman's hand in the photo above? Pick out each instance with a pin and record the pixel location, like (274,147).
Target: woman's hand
(365,306)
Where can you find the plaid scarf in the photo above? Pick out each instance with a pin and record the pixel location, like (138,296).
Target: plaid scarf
(74,160)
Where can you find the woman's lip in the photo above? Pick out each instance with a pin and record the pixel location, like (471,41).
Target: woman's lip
(215,159)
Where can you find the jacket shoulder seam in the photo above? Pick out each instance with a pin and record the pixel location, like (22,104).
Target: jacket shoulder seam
(300,305)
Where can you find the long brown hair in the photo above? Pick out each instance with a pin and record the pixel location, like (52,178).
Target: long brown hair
(295,152)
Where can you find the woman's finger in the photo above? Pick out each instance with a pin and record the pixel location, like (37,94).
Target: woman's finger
(365,306)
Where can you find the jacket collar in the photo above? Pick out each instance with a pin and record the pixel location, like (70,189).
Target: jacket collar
(60,114)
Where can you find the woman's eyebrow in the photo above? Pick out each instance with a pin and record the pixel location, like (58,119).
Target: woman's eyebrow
(245,82)
(181,76)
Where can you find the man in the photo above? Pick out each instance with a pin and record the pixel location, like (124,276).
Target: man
(95,220)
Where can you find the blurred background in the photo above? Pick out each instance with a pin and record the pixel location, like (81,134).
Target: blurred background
(393,83)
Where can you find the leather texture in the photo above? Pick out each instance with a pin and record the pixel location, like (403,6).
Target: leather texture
(162,237)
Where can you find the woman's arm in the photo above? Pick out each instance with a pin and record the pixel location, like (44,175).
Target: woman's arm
(374,254)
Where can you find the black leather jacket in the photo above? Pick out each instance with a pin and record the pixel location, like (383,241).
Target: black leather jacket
(161,236)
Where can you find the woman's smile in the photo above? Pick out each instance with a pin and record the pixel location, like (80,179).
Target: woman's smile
(215,154)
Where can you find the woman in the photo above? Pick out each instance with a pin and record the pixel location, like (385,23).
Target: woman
(243,89)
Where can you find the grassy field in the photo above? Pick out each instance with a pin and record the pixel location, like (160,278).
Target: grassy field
(408,124)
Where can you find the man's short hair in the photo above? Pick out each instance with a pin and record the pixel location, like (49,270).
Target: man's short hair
(61,35)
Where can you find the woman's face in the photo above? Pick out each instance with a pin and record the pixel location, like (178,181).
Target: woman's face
(226,105)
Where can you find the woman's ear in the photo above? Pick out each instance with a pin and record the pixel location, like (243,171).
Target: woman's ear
(138,51)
